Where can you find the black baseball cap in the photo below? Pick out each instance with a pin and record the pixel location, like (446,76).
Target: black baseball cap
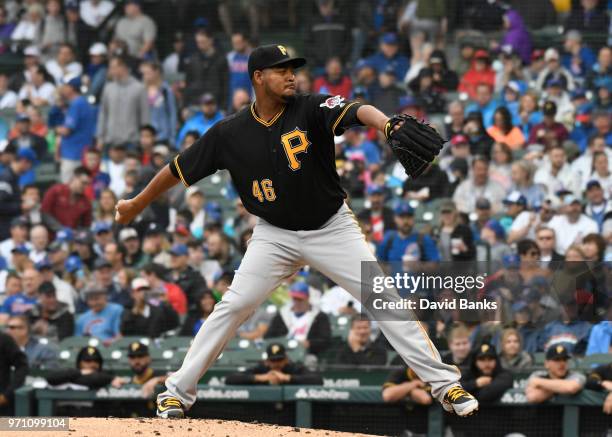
(137,349)
(483,203)
(558,352)
(486,350)
(276,351)
(90,353)
(83,237)
(272,55)
(550,108)
(47,288)
(153,229)
(20,221)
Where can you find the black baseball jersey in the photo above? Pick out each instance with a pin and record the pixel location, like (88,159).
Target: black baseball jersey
(283,169)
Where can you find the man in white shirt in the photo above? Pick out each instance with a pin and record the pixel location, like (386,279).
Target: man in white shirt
(583,165)
(19,237)
(597,206)
(8,98)
(556,174)
(523,221)
(571,226)
(38,91)
(115,167)
(479,186)
(39,237)
(63,67)
(94,12)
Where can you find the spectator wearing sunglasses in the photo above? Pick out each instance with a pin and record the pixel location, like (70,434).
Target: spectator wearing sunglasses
(529,255)
(546,241)
(40,353)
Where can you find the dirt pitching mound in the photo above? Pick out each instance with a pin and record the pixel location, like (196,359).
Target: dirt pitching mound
(115,427)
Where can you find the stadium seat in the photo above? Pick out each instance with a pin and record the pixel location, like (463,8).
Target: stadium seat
(340,326)
(78,342)
(538,358)
(176,343)
(124,342)
(244,357)
(595,360)
(69,347)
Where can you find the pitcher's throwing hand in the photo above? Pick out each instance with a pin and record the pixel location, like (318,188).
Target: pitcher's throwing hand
(126,211)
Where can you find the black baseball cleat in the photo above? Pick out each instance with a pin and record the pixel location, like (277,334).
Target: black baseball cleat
(170,408)
(459,401)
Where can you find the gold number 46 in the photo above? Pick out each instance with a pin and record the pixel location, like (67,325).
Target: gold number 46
(266,191)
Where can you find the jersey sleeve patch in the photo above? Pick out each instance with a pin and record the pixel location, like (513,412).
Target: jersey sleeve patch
(332,102)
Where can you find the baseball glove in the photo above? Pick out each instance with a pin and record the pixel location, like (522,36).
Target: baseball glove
(415,144)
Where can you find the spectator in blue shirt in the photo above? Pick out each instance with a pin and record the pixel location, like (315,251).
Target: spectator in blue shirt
(18,304)
(103,318)
(4,129)
(405,243)
(577,59)
(583,127)
(202,120)
(388,55)
(21,303)
(603,94)
(600,337)
(569,332)
(78,129)
(603,126)
(356,142)
(602,69)
(237,61)
(484,103)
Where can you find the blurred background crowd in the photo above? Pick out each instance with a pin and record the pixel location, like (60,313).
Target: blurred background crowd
(96,96)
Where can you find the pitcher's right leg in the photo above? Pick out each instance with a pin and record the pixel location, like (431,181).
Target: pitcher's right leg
(269,259)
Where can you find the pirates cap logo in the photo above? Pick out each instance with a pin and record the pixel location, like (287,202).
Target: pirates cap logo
(275,349)
(484,348)
(91,350)
(559,349)
(135,347)
(283,50)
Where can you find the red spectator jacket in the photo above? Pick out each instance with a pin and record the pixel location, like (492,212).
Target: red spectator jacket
(472,78)
(176,298)
(69,210)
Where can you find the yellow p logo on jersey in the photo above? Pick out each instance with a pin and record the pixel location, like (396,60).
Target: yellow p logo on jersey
(295,142)
(283,50)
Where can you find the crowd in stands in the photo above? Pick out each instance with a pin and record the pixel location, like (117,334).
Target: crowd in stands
(108,93)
